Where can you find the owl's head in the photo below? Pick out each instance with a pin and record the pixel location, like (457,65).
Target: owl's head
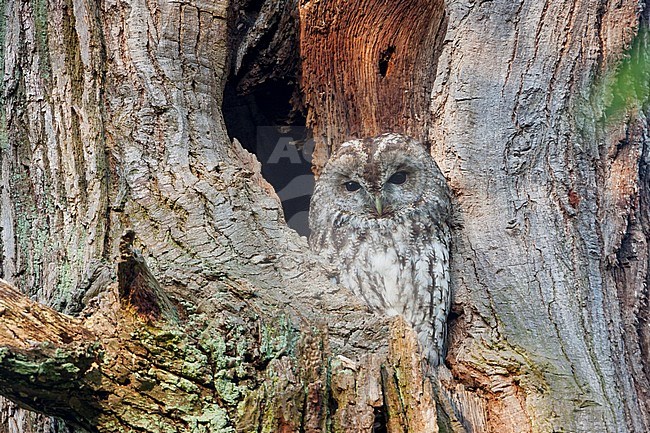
(383,177)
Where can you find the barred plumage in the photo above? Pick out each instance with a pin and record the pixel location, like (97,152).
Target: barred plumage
(379,213)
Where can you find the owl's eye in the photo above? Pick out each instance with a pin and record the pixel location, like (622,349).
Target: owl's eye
(398,178)
(352,185)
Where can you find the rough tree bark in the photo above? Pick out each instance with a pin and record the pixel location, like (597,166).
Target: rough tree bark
(551,179)
(114,154)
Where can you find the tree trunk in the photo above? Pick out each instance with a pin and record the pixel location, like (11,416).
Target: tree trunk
(124,203)
(551,181)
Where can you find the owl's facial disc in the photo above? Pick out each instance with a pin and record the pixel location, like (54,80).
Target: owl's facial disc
(377,179)
(378,197)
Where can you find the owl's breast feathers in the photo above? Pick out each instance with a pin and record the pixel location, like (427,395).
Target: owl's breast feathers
(397,268)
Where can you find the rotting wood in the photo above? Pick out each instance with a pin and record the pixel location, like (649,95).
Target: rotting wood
(368,67)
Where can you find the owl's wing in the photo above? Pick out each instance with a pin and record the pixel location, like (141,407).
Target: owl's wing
(431,280)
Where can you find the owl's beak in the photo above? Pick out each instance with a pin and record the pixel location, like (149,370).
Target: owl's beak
(378,205)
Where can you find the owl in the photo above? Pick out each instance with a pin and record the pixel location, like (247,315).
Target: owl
(379,214)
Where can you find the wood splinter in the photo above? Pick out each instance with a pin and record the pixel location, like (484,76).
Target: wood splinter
(137,286)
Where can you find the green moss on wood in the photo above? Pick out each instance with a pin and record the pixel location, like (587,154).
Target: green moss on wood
(213,419)
(630,85)
(41,30)
(3,37)
(277,338)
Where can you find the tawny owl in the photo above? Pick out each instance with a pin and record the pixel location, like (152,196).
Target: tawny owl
(379,214)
